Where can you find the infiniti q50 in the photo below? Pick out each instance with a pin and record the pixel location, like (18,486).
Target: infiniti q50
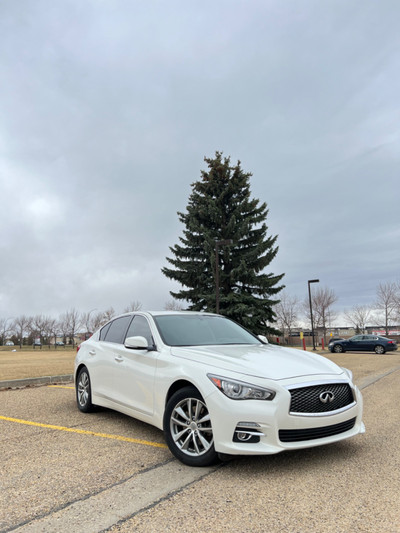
(214,388)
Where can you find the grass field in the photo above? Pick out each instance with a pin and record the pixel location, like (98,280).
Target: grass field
(28,363)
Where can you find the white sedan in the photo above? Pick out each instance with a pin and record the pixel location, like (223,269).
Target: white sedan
(214,388)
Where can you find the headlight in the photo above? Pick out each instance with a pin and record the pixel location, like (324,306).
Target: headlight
(238,390)
(348,372)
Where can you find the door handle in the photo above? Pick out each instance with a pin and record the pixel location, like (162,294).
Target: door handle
(118,358)
(92,352)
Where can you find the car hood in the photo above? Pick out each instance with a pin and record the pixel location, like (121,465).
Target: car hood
(264,361)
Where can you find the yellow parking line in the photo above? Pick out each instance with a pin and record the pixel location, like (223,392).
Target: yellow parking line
(83,432)
(60,387)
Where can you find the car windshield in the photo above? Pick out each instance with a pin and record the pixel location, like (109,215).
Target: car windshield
(198,330)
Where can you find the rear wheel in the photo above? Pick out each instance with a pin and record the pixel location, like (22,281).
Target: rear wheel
(84,391)
(188,430)
(338,348)
(379,349)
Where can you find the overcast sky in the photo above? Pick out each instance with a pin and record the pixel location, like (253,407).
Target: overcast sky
(107,109)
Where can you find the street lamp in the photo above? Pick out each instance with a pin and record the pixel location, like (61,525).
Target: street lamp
(88,324)
(223,242)
(309,297)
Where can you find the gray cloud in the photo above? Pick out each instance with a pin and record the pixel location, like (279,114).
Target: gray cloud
(106,113)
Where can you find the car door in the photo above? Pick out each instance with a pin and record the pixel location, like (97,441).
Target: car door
(355,343)
(368,342)
(102,357)
(134,372)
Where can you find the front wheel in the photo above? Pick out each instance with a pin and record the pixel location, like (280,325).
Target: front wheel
(338,348)
(188,430)
(84,391)
(379,349)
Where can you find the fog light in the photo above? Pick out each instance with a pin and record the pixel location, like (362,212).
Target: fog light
(243,436)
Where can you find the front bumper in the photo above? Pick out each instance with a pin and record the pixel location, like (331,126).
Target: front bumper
(272,429)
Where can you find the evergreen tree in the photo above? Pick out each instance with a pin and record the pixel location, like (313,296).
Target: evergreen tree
(219,209)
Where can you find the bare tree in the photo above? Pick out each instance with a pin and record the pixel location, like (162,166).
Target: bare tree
(387,304)
(5,329)
(398,302)
(133,306)
(173,305)
(21,326)
(322,300)
(108,314)
(70,322)
(358,317)
(37,327)
(287,313)
(54,330)
(97,321)
(89,321)
(63,326)
(49,327)
(74,323)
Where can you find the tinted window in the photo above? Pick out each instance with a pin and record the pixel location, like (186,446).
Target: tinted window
(140,327)
(103,331)
(117,330)
(197,330)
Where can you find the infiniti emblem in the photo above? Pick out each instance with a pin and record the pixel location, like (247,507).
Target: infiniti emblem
(327,396)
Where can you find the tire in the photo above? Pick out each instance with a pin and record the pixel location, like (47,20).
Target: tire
(84,391)
(188,430)
(337,348)
(379,349)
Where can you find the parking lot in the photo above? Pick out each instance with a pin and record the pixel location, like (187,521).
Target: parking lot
(66,471)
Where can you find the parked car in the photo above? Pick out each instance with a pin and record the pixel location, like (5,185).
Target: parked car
(9,343)
(215,388)
(60,343)
(364,343)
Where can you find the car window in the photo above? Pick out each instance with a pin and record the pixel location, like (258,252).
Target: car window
(116,331)
(196,330)
(357,338)
(103,331)
(140,327)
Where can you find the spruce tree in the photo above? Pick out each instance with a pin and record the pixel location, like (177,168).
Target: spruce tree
(220,209)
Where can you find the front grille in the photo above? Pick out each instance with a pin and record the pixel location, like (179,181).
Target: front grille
(296,435)
(308,399)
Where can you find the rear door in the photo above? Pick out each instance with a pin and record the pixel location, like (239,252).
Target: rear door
(102,357)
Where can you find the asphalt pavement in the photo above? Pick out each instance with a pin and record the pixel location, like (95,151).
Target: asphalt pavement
(66,471)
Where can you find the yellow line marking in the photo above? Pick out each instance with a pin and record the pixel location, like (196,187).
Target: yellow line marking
(83,432)
(60,387)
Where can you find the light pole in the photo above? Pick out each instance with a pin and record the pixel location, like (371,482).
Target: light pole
(88,323)
(223,242)
(309,297)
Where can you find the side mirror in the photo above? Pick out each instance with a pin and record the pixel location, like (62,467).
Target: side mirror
(139,343)
(263,339)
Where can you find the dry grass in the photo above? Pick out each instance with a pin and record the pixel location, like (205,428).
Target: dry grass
(36,363)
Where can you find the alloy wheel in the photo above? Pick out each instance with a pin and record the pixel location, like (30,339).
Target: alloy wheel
(190,427)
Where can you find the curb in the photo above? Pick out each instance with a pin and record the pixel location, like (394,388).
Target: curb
(35,382)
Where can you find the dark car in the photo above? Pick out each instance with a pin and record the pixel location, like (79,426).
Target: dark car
(364,343)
